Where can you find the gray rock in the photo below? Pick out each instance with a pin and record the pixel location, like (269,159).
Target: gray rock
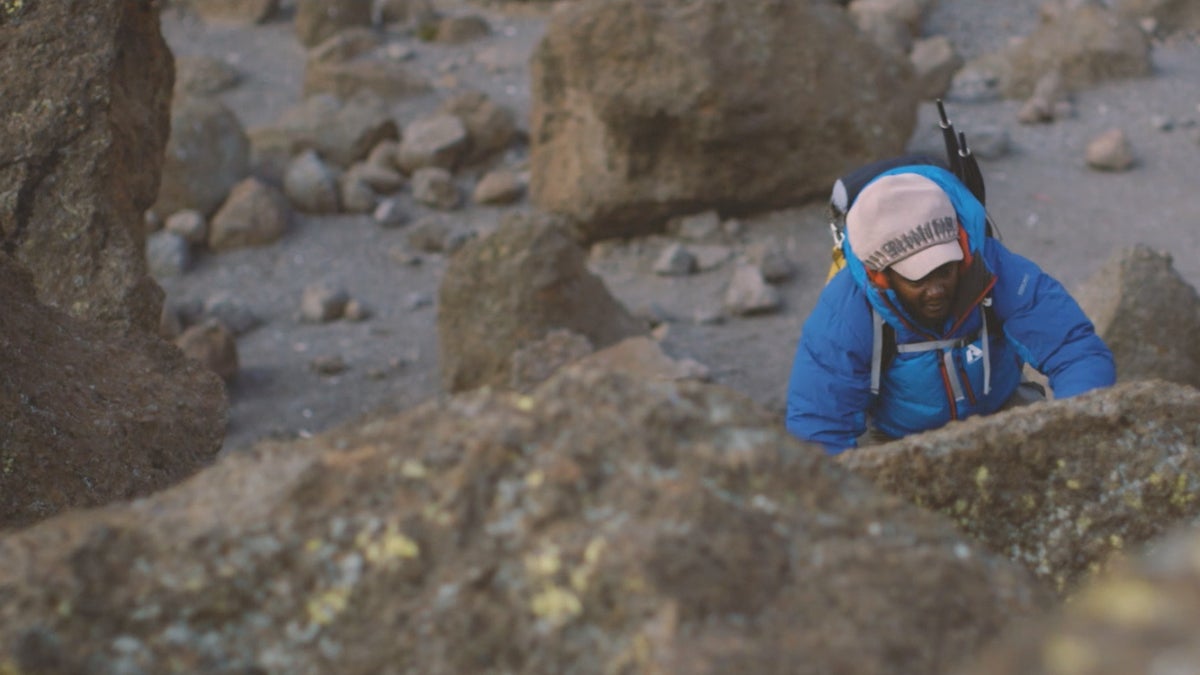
(675,260)
(312,185)
(748,293)
(390,213)
(435,187)
(207,154)
(438,141)
(189,224)
(168,254)
(233,313)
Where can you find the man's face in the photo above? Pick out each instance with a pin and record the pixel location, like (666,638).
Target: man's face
(930,298)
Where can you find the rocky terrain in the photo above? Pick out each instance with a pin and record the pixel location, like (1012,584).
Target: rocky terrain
(296,377)
(503,298)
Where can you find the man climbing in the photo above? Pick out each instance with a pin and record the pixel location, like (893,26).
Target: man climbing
(931,320)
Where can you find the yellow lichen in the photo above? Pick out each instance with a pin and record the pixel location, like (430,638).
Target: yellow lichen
(1072,484)
(1064,655)
(981,477)
(1116,541)
(535,479)
(324,608)
(1180,496)
(960,506)
(1083,524)
(9,668)
(413,469)
(544,564)
(1029,502)
(525,403)
(556,605)
(389,547)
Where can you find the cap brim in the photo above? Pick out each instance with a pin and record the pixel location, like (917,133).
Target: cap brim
(916,266)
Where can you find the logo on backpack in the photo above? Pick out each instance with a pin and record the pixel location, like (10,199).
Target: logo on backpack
(974,353)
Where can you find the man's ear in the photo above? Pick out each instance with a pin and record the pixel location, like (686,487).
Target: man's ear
(965,244)
(879,278)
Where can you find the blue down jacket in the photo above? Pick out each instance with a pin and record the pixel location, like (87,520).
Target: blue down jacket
(1036,321)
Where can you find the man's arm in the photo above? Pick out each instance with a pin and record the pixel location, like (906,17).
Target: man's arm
(1048,327)
(830,385)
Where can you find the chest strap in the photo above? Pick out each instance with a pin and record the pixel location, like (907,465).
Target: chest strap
(946,347)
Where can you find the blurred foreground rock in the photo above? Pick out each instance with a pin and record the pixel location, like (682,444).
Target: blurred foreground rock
(90,416)
(601,524)
(1060,487)
(1144,619)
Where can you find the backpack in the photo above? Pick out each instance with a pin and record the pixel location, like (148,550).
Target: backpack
(962,163)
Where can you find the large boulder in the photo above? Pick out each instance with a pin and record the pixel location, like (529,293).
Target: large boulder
(84,120)
(1062,486)
(208,153)
(599,524)
(318,20)
(1084,44)
(513,287)
(1148,315)
(356,60)
(1169,15)
(341,132)
(90,415)
(644,110)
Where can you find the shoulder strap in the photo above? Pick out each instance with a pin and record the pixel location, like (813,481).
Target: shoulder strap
(883,344)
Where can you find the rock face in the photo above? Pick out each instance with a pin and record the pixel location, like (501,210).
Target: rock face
(1061,486)
(85,121)
(1147,314)
(644,110)
(600,524)
(510,289)
(89,416)
(1144,618)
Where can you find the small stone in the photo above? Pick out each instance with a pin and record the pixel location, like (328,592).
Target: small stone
(189,224)
(390,214)
(675,260)
(328,365)
(356,311)
(167,254)
(1110,151)
(322,303)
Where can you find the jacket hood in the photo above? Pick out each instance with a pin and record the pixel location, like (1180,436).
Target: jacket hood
(972,217)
